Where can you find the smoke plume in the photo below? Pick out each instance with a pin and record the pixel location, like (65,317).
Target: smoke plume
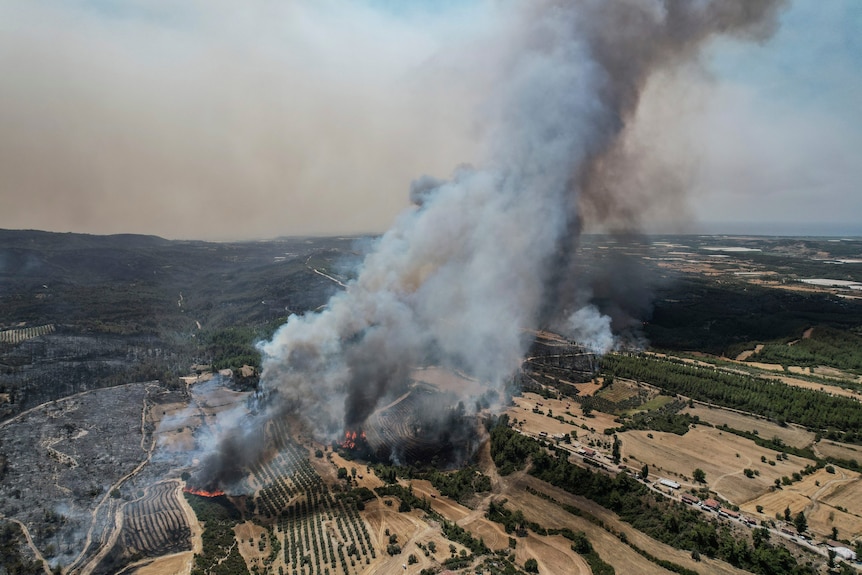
(490,253)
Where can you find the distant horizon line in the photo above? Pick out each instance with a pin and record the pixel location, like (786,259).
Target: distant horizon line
(749,229)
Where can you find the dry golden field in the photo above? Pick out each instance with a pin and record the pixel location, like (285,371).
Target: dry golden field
(722,456)
(792,435)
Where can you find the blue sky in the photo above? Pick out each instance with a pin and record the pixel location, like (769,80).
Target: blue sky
(815,58)
(805,84)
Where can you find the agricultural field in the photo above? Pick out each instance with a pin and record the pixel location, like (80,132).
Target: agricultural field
(721,455)
(823,497)
(844,451)
(792,435)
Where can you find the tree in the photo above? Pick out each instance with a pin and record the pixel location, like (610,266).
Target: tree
(587,409)
(787,513)
(432,547)
(615,450)
(580,543)
(800,522)
(342,473)
(645,472)
(699,475)
(531,566)
(412,559)
(835,533)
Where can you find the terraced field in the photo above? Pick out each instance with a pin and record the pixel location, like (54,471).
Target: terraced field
(17,335)
(155,524)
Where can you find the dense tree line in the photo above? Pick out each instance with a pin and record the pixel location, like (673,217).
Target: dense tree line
(460,485)
(509,449)
(233,347)
(408,499)
(826,346)
(772,399)
(697,314)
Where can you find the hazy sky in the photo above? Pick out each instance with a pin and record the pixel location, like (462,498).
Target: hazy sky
(230,120)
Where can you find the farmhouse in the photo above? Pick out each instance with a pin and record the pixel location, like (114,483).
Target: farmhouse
(586,451)
(711,504)
(689,499)
(669,483)
(728,513)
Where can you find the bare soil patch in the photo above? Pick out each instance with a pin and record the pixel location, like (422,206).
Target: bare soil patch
(839,450)
(443,505)
(792,435)
(590,388)
(828,389)
(553,554)
(248,536)
(535,423)
(749,352)
(766,366)
(177,564)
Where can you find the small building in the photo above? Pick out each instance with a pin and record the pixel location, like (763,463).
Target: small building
(587,451)
(689,499)
(711,504)
(669,483)
(728,513)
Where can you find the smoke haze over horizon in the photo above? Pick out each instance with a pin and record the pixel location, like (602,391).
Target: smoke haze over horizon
(217,120)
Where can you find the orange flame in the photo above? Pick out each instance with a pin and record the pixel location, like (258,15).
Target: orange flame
(350,438)
(203,492)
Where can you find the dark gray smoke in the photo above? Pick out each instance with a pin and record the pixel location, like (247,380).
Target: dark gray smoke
(489,254)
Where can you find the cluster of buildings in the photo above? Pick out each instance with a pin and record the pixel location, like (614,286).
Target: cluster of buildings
(714,506)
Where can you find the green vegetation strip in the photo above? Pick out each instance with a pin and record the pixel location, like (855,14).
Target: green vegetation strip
(772,399)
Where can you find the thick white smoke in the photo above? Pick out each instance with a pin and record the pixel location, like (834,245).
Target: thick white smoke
(591,328)
(487,255)
(464,274)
